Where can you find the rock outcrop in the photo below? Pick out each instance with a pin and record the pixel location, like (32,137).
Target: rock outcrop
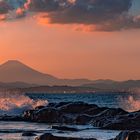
(49,136)
(83,113)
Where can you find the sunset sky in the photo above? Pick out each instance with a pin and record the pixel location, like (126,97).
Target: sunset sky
(95,39)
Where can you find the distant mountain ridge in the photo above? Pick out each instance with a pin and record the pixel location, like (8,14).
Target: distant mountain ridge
(14,71)
(115,85)
(16,85)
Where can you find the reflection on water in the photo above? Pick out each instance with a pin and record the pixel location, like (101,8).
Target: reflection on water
(14,130)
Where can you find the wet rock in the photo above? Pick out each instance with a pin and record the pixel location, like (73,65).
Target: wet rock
(61,104)
(76,108)
(11,118)
(128,135)
(83,119)
(49,136)
(39,107)
(83,113)
(68,118)
(64,128)
(111,112)
(28,115)
(108,117)
(129,121)
(94,111)
(51,105)
(48,115)
(28,134)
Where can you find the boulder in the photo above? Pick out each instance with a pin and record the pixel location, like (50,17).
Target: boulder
(76,107)
(83,119)
(129,121)
(49,136)
(28,115)
(83,113)
(95,110)
(28,134)
(64,128)
(61,104)
(108,117)
(39,107)
(48,115)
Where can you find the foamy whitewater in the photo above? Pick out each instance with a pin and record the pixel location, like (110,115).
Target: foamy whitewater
(14,103)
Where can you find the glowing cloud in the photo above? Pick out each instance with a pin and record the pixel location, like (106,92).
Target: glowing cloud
(105,15)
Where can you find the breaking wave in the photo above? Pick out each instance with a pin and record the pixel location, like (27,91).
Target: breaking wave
(16,103)
(131,102)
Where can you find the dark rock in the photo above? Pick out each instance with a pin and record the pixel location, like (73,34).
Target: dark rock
(130,121)
(83,119)
(39,107)
(64,128)
(29,134)
(11,118)
(28,115)
(51,105)
(49,136)
(68,118)
(111,112)
(94,111)
(48,115)
(83,113)
(108,117)
(105,111)
(128,135)
(77,107)
(61,104)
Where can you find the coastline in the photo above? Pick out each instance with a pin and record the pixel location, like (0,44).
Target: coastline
(65,116)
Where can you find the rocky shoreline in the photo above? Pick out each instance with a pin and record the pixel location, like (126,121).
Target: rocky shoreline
(125,135)
(80,113)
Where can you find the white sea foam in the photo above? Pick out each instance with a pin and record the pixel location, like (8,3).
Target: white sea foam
(12,103)
(132,102)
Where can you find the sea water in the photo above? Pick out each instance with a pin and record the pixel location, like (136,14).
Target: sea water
(16,104)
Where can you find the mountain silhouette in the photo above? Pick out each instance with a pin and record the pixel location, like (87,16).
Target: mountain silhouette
(16,71)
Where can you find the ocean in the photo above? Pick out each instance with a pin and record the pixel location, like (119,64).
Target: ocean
(16,104)
(127,101)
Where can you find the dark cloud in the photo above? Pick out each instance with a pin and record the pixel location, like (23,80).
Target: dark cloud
(43,5)
(49,5)
(12,9)
(4,7)
(91,11)
(120,23)
(107,15)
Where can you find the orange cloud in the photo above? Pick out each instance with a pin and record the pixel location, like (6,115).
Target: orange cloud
(43,19)
(20,12)
(2,17)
